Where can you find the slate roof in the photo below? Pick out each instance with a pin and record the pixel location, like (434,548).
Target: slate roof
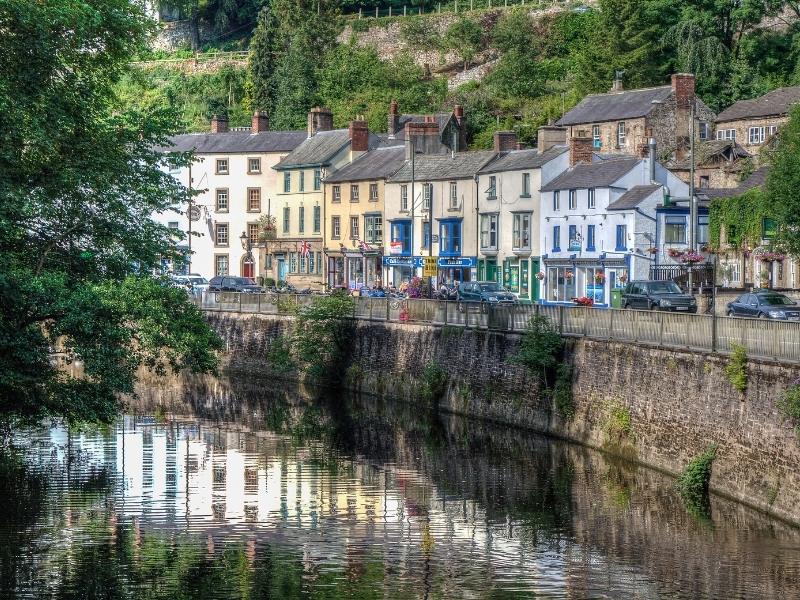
(519,160)
(589,175)
(233,142)
(633,197)
(437,167)
(776,102)
(375,164)
(318,150)
(613,106)
(757,179)
(441,121)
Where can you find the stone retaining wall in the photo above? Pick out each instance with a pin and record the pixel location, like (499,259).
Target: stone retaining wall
(678,402)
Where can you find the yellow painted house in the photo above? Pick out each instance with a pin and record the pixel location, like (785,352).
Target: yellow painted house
(354,227)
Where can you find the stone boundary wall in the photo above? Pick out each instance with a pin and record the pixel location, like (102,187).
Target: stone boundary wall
(679,402)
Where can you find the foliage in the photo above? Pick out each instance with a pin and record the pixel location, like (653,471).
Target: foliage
(433,383)
(279,355)
(740,217)
(562,392)
(789,404)
(618,426)
(417,32)
(263,60)
(693,482)
(781,190)
(323,337)
(540,347)
(80,182)
(464,37)
(736,369)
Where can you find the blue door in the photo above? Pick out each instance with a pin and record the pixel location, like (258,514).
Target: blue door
(282,269)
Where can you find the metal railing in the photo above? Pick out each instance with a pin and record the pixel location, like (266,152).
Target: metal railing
(778,340)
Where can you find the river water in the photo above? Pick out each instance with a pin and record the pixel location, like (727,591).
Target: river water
(232,489)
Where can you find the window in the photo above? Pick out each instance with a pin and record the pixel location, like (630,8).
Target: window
(336,227)
(222,166)
(286,218)
(354,193)
(221,234)
(302,262)
(773,129)
(252,233)
(427,195)
(254,199)
(704,181)
(489,232)
(557,238)
(373,192)
(755,135)
(404,198)
(302,183)
(292,262)
(426,234)
(702,229)
(450,238)
(621,133)
(311,261)
(573,203)
(317,219)
(401,235)
(222,200)
(726,134)
(453,194)
(596,142)
(353,228)
(521,239)
(590,238)
(674,230)
(590,198)
(622,237)
(319,262)
(301,219)
(220,265)
(337,194)
(526,184)
(173,167)
(173,225)
(769,227)
(556,200)
(704,130)
(574,243)
(254,165)
(491,193)
(373,228)
(287,182)
(317,185)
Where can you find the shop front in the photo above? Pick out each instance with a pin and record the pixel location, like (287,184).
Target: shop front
(487,269)
(455,269)
(399,269)
(355,269)
(567,281)
(519,277)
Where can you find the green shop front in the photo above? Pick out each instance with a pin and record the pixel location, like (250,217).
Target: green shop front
(516,273)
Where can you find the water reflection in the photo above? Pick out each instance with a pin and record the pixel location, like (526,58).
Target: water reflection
(220,489)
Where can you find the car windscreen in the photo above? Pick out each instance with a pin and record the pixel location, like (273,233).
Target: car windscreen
(201,280)
(492,287)
(664,287)
(775,300)
(242,281)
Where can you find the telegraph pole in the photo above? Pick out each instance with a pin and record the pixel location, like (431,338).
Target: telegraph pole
(692,199)
(189,260)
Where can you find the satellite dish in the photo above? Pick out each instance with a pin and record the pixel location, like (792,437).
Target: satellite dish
(194,213)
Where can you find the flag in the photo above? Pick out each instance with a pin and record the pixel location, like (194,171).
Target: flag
(364,246)
(305,249)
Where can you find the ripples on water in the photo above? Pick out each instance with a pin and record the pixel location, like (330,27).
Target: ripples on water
(238,493)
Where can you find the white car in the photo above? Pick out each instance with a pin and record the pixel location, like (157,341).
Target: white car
(197,284)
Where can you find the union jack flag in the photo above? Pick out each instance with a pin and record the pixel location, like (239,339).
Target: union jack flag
(364,246)
(305,249)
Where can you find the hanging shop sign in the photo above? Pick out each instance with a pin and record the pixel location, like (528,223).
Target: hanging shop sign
(458,262)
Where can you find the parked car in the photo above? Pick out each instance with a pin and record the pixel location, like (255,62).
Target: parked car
(485,294)
(234,284)
(764,304)
(657,295)
(194,282)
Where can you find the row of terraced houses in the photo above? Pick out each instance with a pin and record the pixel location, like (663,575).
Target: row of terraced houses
(603,197)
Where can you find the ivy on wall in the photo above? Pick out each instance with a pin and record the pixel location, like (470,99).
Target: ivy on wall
(741,217)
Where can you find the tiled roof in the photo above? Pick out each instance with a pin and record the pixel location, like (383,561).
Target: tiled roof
(518,160)
(776,102)
(612,106)
(633,197)
(588,175)
(437,167)
(233,142)
(317,150)
(375,164)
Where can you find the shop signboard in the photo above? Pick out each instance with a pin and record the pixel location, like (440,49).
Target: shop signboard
(575,244)
(398,261)
(458,262)
(395,248)
(429,266)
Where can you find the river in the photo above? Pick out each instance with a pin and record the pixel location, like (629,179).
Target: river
(234,489)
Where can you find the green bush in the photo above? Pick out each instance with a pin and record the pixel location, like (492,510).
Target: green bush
(562,392)
(433,383)
(736,370)
(359,25)
(269,282)
(789,404)
(618,424)
(693,482)
(279,355)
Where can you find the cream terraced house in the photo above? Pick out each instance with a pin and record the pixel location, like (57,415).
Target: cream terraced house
(232,169)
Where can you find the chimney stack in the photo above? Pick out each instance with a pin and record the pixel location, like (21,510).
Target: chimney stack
(359,136)
(683,87)
(260,123)
(394,119)
(505,141)
(219,124)
(580,150)
(616,85)
(458,112)
(549,136)
(422,137)
(651,143)
(319,119)
(521,146)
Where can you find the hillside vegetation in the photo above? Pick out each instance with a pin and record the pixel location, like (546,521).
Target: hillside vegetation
(541,64)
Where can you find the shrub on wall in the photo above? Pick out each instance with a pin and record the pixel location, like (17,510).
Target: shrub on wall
(433,383)
(789,404)
(562,392)
(279,355)
(618,426)
(693,482)
(736,370)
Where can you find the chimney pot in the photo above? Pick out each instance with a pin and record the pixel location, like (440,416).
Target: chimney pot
(580,150)
(393,125)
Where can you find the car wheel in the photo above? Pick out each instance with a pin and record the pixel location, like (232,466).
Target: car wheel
(730,313)
(762,316)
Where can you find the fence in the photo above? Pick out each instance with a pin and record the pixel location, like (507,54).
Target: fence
(702,275)
(457,6)
(779,340)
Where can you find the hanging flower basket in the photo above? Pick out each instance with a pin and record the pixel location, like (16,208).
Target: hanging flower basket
(769,256)
(540,276)
(623,278)
(691,258)
(568,275)
(584,301)
(599,277)
(675,253)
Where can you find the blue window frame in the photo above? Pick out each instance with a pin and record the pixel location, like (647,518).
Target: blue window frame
(574,242)
(401,232)
(426,234)
(557,238)
(590,237)
(450,238)
(622,237)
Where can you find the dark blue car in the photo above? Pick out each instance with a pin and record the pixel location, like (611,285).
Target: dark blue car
(484,294)
(764,304)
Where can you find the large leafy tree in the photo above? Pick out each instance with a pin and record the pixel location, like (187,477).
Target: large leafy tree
(78,185)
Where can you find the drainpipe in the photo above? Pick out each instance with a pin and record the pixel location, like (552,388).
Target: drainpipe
(477,223)
(652,145)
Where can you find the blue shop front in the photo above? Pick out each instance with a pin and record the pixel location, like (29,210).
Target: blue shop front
(454,269)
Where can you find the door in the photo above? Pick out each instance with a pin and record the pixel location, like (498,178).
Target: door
(282,269)
(248,269)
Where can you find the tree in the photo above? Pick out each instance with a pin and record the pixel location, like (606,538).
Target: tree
(783,182)
(263,60)
(77,242)
(464,38)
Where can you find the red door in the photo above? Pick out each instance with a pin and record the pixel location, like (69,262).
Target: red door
(248,270)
